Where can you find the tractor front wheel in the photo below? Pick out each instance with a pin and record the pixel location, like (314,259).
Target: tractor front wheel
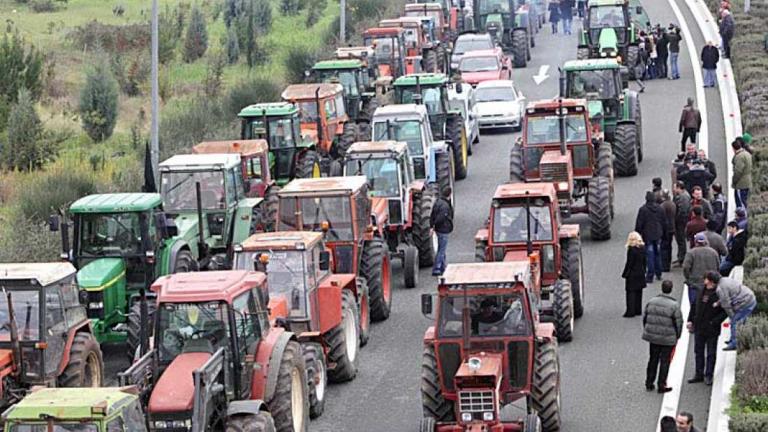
(289,403)
(545,393)
(427,425)
(520,50)
(134,327)
(562,306)
(270,207)
(573,270)
(376,270)
(261,422)
(421,231)
(599,203)
(633,52)
(480,251)
(364,309)
(411,266)
(308,165)
(444,170)
(516,173)
(344,341)
(185,262)
(605,160)
(317,378)
(625,149)
(457,134)
(532,423)
(86,365)
(433,403)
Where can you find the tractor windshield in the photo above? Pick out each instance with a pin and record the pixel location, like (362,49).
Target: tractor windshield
(26,307)
(345,77)
(310,213)
(385,47)
(285,275)
(592,84)
(308,111)
(382,175)
(430,97)
(493,6)
(546,129)
(180,194)
(510,224)
(489,315)
(408,131)
(606,16)
(479,64)
(54,427)
(108,234)
(191,327)
(281,133)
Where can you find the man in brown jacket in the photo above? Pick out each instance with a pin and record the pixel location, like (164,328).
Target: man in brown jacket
(690,123)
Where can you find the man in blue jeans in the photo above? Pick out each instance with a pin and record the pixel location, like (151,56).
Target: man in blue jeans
(674,38)
(651,223)
(737,301)
(441,221)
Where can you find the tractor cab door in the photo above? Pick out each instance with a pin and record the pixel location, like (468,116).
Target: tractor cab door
(335,112)
(284,136)
(256,175)
(246,341)
(56,325)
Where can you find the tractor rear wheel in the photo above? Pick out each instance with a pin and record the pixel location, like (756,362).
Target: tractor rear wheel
(261,422)
(133,339)
(519,48)
(185,262)
(421,231)
(344,341)
(317,378)
(365,310)
(631,61)
(369,107)
(545,392)
(444,170)
(516,172)
(427,424)
(532,423)
(289,404)
(308,165)
(433,403)
(270,207)
(376,270)
(86,365)
(562,306)
(429,62)
(582,53)
(605,160)
(599,203)
(573,270)
(411,266)
(457,134)
(348,137)
(625,149)
(637,115)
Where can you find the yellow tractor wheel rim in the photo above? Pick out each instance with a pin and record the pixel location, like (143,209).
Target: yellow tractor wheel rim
(464,148)
(316,170)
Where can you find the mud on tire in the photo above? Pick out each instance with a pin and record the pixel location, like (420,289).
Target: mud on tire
(376,270)
(433,403)
(281,401)
(545,391)
(345,355)
(86,365)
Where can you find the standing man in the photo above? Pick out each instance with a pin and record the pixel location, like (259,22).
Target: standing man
(737,243)
(719,208)
(662,50)
(727,29)
(699,261)
(684,422)
(742,174)
(651,223)
(566,14)
(441,220)
(670,210)
(709,58)
(709,165)
(582,6)
(704,321)
(715,240)
(736,299)
(682,208)
(673,35)
(690,123)
(662,326)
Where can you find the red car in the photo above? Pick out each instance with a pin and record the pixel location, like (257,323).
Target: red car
(485,65)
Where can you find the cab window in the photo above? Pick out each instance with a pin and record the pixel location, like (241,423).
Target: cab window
(253,168)
(330,109)
(244,320)
(115,425)
(340,108)
(229,185)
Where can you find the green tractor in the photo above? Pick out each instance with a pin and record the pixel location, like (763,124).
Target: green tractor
(509,25)
(291,155)
(447,123)
(612,107)
(77,409)
(610,30)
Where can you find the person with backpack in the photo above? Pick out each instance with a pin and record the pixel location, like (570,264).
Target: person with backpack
(441,221)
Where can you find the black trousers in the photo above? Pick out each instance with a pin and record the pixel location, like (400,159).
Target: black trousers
(634,302)
(660,357)
(661,67)
(682,242)
(705,348)
(666,252)
(687,133)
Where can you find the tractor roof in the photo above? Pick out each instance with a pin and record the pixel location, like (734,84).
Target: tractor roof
(116,203)
(324,186)
(405,110)
(521,190)
(269,109)
(378,147)
(195,162)
(383,31)
(591,64)
(338,64)
(405,22)
(43,274)
(423,6)
(282,240)
(487,273)
(592,3)
(309,91)
(71,403)
(206,286)
(241,147)
(424,79)
(354,52)
(552,104)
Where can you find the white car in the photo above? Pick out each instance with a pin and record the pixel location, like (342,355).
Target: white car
(499,105)
(466,104)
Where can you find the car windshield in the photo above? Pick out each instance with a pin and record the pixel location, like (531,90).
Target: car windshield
(308,214)
(381,173)
(606,16)
(280,133)
(489,315)
(546,129)
(493,6)
(191,327)
(408,131)
(430,97)
(479,64)
(475,44)
(598,84)
(54,427)
(26,306)
(495,94)
(109,234)
(308,111)
(510,224)
(345,77)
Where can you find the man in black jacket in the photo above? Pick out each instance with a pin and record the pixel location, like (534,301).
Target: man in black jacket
(704,321)
(709,58)
(441,221)
(737,242)
(682,200)
(662,50)
(651,223)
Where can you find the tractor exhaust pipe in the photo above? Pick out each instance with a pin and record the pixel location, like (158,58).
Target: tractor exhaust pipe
(143,318)
(202,246)
(561,82)
(528,242)
(319,121)
(561,116)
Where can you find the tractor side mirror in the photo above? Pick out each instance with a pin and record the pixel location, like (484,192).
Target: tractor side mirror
(325,260)
(53,223)
(426,305)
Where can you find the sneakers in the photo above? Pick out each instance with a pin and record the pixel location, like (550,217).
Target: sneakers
(730,348)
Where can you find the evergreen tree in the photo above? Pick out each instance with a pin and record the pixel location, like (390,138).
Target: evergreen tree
(98,102)
(23,149)
(20,67)
(196,42)
(233,46)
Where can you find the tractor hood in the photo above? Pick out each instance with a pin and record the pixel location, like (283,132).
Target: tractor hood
(98,274)
(186,223)
(175,390)
(608,43)
(481,370)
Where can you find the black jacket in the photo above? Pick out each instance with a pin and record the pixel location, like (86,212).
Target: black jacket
(706,317)
(634,269)
(736,246)
(662,45)
(709,57)
(696,176)
(441,218)
(674,39)
(566,9)
(651,221)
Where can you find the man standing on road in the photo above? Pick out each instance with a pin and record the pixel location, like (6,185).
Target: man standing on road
(566,14)
(699,261)
(651,223)
(662,326)
(673,35)
(736,299)
(742,174)
(727,30)
(670,210)
(719,207)
(709,58)
(690,123)
(662,50)
(682,208)
(696,225)
(704,321)
(715,240)
(684,422)
(441,220)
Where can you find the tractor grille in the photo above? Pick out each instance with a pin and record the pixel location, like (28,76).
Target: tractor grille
(478,401)
(555,173)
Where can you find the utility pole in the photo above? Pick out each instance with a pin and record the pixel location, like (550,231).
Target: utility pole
(343,22)
(155,121)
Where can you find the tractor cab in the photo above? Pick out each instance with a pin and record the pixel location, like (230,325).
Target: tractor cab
(484,350)
(435,13)
(389,46)
(494,16)
(609,30)
(361,88)
(254,156)
(409,124)
(420,43)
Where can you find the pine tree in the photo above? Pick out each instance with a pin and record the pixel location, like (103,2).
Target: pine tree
(196,42)
(20,67)
(233,46)
(98,102)
(23,145)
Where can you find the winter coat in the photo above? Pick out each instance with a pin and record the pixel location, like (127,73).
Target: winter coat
(634,269)
(742,170)
(662,321)
(719,211)
(683,205)
(711,167)
(716,242)
(736,245)
(709,57)
(694,226)
(690,118)
(566,9)
(705,316)
(651,222)
(441,218)
(670,211)
(727,26)
(674,41)
(698,261)
(554,13)
(734,296)
(696,176)
(662,46)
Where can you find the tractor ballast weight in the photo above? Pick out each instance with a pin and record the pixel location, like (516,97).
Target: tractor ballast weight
(508,24)
(610,30)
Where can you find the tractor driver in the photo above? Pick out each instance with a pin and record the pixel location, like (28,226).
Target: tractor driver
(508,318)
(512,225)
(487,318)
(280,139)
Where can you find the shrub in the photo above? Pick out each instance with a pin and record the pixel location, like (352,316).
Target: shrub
(299,59)
(169,33)
(196,42)
(752,380)
(53,191)
(111,38)
(214,73)
(262,15)
(315,11)
(98,102)
(24,149)
(753,334)
(751,422)
(251,91)
(290,7)
(27,240)
(190,122)
(42,6)
(20,67)
(132,75)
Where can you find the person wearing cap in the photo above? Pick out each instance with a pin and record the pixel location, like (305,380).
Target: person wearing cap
(742,173)
(709,58)
(674,38)
(690,123)
(741,219)
(736,245)
(699,260)
(736,299)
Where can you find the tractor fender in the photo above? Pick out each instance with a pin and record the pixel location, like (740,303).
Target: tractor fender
(417,186)
(266,368)
(244,407)
(82,327)
(173,252)
(569,231)
(329,299)
(628,114)
(545,331)
(481,236)
(429,335)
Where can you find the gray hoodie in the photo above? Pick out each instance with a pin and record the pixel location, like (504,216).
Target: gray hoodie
(734,296)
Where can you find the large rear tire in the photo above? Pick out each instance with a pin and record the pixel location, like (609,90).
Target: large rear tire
(411,266)
(516,171)
(573,270)
(599,203)
(344,341)
(376,270)
(545,392)
(85,367)
(433,403)
(632,54)
(317,378)
(562,305)
(134,327)
(625,149)
(261,422)
(308,165)
(348,137)
(637,115)
(270,207)
(458,136)
(445,172)
(185,262)
(291,378)
(520,50)
(429,62)
(421,231)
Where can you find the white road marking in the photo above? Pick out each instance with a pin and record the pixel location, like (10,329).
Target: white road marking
(542,75)
(677,368)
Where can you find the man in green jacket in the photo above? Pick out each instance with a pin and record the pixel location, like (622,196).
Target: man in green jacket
(742,174)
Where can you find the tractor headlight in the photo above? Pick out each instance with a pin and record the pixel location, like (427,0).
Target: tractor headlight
(96,305)
(161,424)
(181,424)
(488,416)
(562,186)
(466,417)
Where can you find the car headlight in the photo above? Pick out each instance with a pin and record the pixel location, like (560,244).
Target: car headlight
(466,417)
(488,416)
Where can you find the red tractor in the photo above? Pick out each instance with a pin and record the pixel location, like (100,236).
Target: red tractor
(352,224)
(423,52)
(327,312)
(487,349)
(216,361)
(389,48)
(559,145)
(524,218)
